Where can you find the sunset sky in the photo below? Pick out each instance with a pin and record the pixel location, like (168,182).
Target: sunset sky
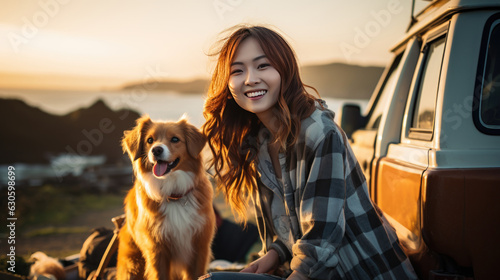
(46,42)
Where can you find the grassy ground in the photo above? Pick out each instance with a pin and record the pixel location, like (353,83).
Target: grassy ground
(58,219)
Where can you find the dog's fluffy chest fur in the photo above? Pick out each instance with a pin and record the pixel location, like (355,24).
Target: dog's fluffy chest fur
(172,221)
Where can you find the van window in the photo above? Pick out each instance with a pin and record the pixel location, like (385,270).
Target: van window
(386,91)
(428,84)
(486,109)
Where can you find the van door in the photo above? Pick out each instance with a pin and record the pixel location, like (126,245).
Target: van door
(399,173)
(363,140)
(383,121)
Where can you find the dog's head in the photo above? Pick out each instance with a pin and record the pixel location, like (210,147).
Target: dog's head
(163,147)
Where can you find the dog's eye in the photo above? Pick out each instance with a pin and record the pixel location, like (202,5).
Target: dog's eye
(174,139)
(150,140)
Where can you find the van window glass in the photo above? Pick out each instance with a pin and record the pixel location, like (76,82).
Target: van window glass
(425,105)
(486,102)
(387,88)
(490,95)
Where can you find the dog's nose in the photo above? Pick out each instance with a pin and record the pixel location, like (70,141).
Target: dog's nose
(157,151)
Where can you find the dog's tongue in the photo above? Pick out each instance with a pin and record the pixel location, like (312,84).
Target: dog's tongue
(160,168)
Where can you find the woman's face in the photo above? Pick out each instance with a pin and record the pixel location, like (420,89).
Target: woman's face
(253,82)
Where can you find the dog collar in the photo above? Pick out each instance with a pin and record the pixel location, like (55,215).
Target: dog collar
(175,197)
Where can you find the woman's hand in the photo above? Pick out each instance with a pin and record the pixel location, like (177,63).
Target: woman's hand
(266,264)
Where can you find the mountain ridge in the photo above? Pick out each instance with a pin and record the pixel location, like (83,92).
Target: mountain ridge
(339,80)
(35,136)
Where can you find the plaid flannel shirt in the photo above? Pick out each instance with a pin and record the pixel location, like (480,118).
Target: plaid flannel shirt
(319,216)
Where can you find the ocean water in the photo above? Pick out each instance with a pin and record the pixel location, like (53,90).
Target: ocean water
(160,105)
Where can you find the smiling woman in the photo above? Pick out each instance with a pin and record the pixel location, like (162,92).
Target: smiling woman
(273,142)
(252,59)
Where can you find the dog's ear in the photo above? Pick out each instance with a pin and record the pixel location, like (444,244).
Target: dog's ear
(195,140)
(133,140)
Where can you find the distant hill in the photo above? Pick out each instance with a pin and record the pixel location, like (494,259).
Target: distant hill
(331,80)
(342,80)
(30,135)
(194,86)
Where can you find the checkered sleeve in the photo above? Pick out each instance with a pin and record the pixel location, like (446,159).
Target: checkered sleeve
(321,211)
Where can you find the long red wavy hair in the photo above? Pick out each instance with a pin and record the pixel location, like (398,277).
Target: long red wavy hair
(232,131)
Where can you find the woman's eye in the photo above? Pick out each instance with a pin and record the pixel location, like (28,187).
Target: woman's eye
(236,71)
(264,65)
(174,139)
(150,140)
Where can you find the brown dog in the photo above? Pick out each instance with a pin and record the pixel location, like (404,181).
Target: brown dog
(170,220)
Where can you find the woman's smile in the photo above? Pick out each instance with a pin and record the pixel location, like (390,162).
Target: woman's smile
(254,95)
